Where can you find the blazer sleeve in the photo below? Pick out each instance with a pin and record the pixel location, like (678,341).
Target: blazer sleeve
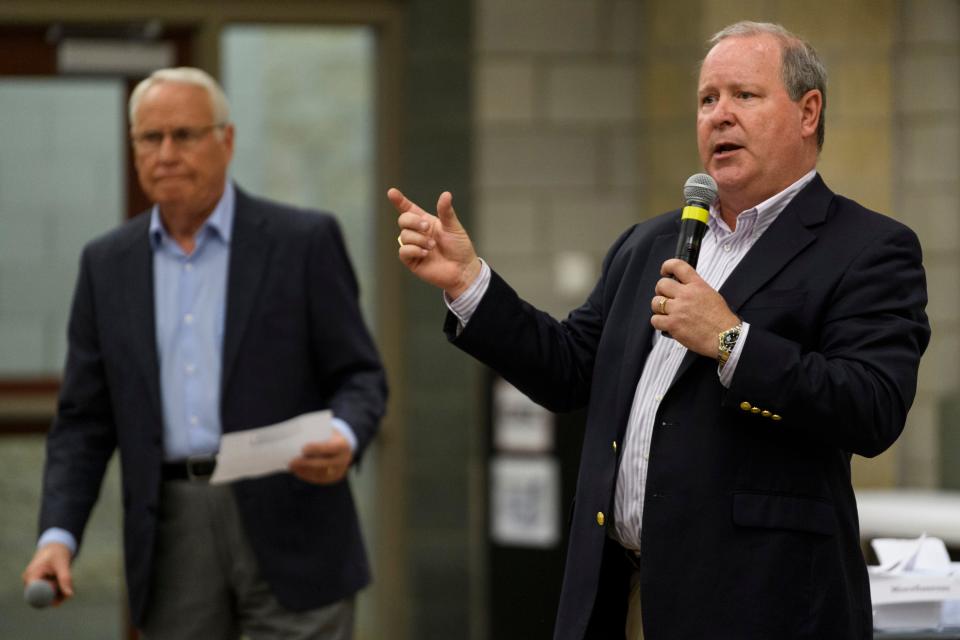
(344,350)
(854,388)
(550,361)
(82,437)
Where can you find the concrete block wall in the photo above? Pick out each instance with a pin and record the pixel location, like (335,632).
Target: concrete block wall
(556,140)
(926,72)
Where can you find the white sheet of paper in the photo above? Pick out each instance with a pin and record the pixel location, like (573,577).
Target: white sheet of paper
(265,450)
(926,553)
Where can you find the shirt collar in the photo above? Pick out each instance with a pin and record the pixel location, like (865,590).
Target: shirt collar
(219,222)
(763,214)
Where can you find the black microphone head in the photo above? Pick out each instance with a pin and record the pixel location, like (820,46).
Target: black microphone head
(39,594)
(700,189)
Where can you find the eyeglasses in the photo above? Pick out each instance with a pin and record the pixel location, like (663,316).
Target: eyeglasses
(181,137)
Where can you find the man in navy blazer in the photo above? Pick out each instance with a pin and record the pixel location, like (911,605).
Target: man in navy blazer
(714,498)
(212,313)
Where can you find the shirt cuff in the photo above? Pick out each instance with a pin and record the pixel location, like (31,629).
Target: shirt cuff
(346,431)
(468,301)
(726,372)
(56,534)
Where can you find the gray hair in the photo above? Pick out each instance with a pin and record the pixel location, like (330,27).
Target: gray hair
(802,69)
(183,75)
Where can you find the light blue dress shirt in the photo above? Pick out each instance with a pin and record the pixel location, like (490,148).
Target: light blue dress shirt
(190,292)
(190,306)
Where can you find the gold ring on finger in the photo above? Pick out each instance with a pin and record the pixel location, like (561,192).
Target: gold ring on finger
(399,241)
(663,305)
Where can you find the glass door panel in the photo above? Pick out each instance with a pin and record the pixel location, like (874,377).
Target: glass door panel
(302,99)
(61,183)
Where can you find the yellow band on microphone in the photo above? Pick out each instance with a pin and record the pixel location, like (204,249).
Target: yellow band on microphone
(696,213)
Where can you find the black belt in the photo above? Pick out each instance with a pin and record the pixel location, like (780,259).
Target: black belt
(195,469)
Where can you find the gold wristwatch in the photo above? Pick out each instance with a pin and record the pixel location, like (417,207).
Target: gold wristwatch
(726,341)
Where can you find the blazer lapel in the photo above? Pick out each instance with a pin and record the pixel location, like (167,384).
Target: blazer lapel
(249,250)
(776,248)
(136,271)
(638,341)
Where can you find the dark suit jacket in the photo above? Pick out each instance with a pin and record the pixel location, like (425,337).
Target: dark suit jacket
(750,526)
(294,341)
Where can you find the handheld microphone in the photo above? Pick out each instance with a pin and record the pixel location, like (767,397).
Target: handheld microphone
(39,593)
(699,192)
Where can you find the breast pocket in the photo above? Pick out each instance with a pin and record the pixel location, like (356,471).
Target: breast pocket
(776,299)
(781,309)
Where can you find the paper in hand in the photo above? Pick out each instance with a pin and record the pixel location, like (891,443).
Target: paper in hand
(258,452)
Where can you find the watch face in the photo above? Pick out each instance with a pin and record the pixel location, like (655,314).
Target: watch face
(730,338)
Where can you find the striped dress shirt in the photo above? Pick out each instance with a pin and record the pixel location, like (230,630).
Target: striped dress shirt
(720,253)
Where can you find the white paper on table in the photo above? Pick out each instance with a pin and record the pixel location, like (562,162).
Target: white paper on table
(913,571)
(265,450)
(925,553)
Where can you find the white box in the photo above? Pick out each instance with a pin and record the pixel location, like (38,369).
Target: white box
(910,600)
(913,583)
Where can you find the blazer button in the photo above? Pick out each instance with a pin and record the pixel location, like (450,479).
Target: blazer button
(745,406)
(765,413)
(775,417)
(614,446)
(755,410)
(600,518)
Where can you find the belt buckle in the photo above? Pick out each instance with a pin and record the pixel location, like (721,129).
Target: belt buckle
(192,476)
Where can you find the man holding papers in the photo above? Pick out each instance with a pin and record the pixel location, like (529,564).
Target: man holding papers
(213,313)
